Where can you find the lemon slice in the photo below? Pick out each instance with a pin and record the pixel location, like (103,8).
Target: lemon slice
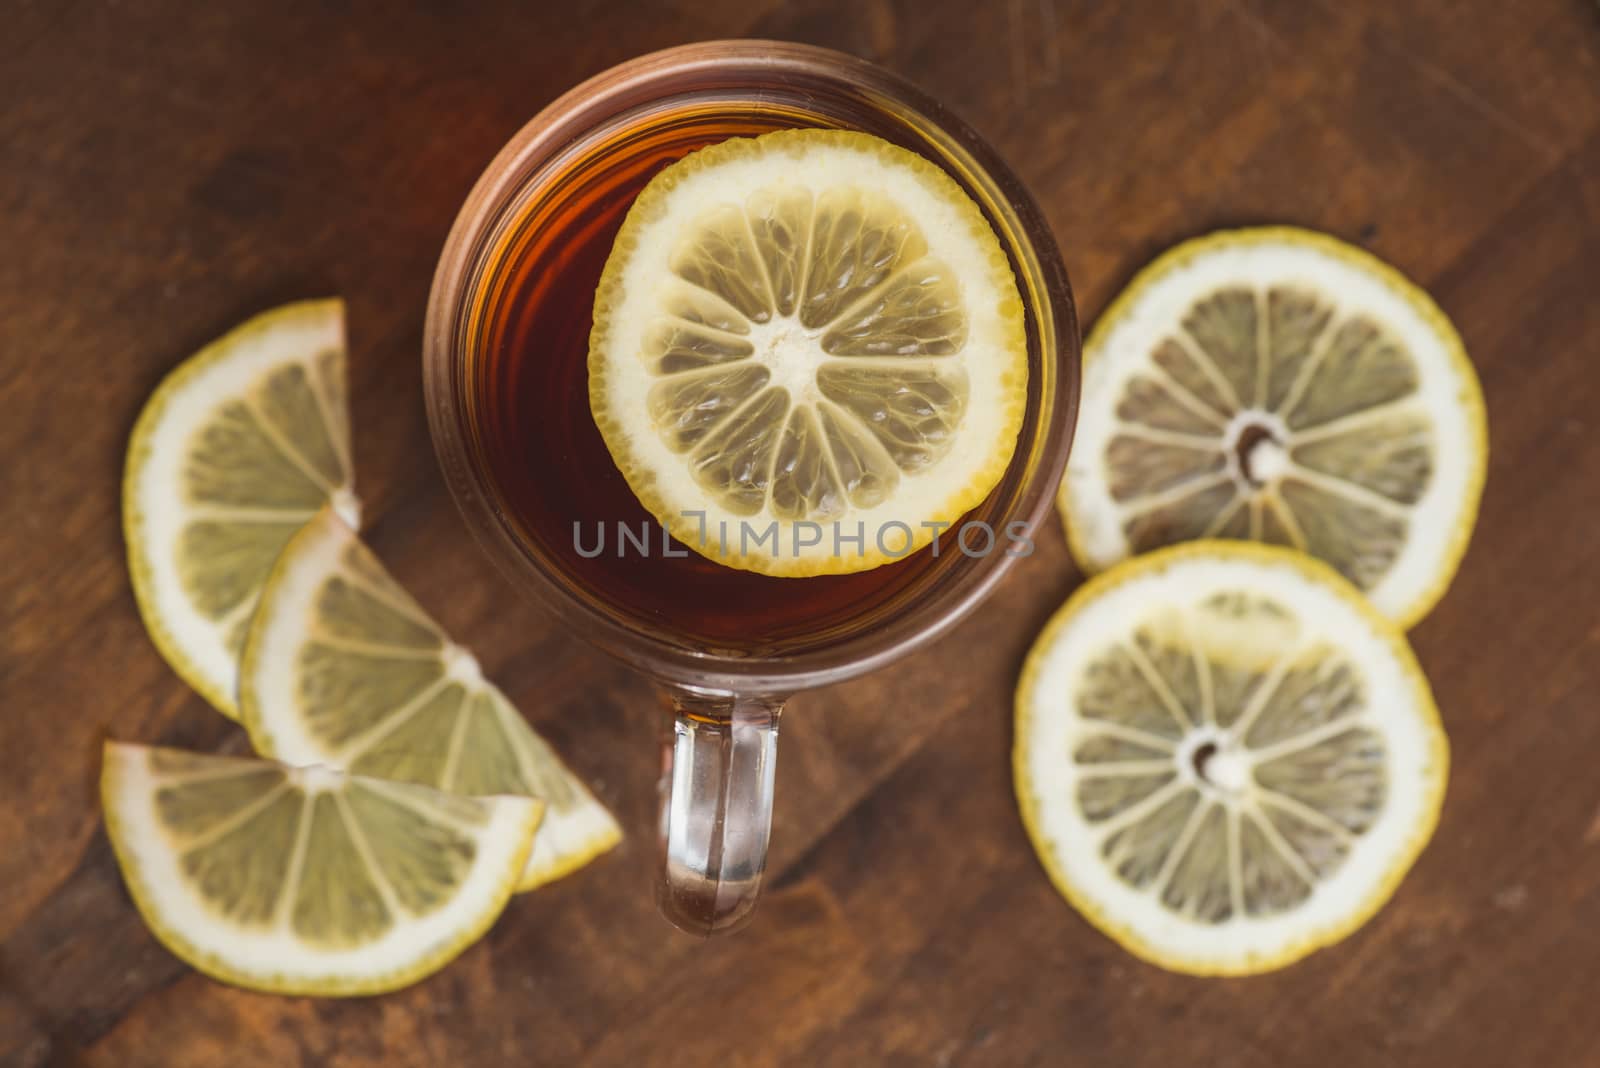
(344,668)
(1225,757)
(808,352)
(238,447)
(303,880)
(1279,386)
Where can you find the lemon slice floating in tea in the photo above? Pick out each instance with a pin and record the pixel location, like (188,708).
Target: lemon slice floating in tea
(1225,757)
(807,327)
(303,880)
(344,668)
(1279,386)
(235,450)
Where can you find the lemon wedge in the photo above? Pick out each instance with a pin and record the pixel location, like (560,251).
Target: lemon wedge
(343,668)
(303,880)
(235,450)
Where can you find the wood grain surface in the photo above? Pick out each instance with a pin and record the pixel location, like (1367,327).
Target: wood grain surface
(167,169)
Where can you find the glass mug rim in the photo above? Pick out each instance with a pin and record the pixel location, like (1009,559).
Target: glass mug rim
(535,152)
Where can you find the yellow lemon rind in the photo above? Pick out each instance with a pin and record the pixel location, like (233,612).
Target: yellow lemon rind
(592,849)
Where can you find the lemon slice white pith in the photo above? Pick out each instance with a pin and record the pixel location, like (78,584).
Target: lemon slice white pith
(238,447)
(808,327)
(1277,385)
(344,668)
(303,880)
(1225,757)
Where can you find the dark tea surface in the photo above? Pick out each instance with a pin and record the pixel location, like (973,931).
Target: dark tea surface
(554,478)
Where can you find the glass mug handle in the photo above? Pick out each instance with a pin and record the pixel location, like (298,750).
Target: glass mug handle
(718,759)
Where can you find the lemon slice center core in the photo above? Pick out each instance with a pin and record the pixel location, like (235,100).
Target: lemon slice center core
(1256,444)
(1217,761)
(792,354)
(461,666)
(345,505)
(316,778)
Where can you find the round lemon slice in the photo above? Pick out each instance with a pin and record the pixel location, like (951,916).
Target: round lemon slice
(1280,386)
(343,668)
(303,880)
(808,353)
(1225,757)
(238,447)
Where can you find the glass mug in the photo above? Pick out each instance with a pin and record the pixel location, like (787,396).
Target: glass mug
(504,363)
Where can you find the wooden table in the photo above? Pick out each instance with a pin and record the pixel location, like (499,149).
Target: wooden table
(167,169)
